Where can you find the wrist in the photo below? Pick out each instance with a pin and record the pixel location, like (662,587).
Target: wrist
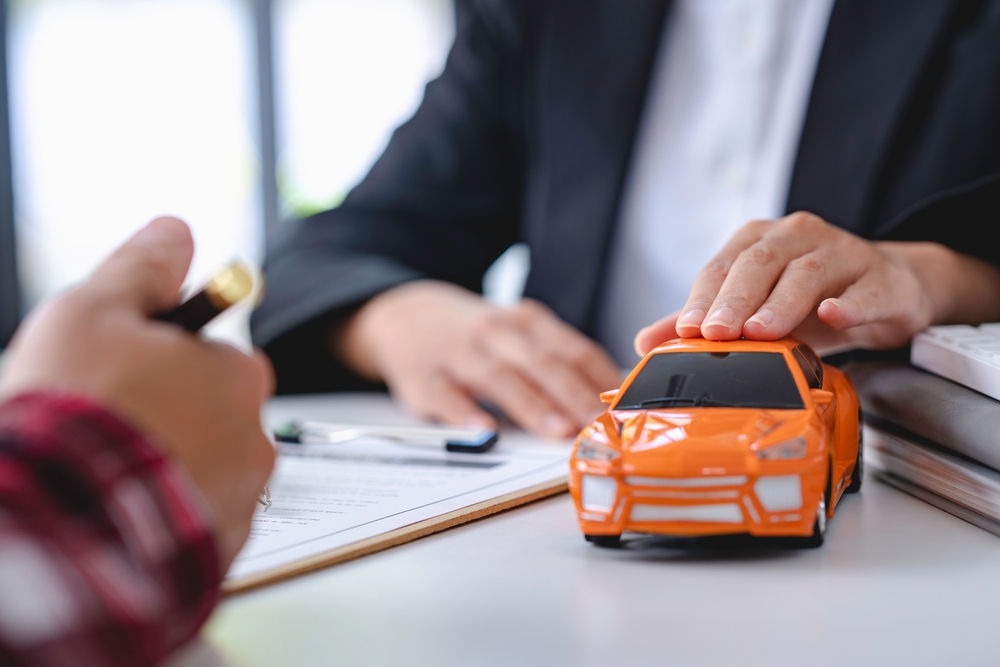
(960,288)
(419,312)
(356,341)
(350,345)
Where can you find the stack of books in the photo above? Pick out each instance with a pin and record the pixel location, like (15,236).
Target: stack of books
(932,437)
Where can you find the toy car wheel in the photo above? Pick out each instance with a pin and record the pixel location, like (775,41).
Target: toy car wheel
(819,527)
(859,466)
(608,541)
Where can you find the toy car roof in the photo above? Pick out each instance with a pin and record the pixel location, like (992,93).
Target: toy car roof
(740,345)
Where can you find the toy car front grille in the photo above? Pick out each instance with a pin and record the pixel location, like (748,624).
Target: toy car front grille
(687,482)
(715,513)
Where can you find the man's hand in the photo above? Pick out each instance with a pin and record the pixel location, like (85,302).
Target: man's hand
(199,401)
(803,277)
(440,348)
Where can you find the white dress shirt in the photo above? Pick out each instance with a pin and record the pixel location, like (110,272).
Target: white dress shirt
(715,149)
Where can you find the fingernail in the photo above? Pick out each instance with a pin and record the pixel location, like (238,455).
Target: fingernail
(556,426)
(763,318)
(722,317)
(691,318)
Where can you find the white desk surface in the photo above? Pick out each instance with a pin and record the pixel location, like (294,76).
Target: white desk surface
(898,582)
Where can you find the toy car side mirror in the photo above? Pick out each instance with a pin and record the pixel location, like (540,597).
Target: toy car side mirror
(609,396)
(822,396)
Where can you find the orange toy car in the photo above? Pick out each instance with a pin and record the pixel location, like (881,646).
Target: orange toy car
(713,438)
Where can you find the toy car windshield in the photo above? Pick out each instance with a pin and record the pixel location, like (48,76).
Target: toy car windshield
(713,379)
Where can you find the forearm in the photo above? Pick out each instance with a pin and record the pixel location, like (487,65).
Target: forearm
(961,288)
(106,556)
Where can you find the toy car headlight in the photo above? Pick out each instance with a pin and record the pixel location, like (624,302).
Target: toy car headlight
(784,451)
(588,450)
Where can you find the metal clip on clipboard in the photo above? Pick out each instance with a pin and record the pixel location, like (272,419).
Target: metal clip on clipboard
(453,439)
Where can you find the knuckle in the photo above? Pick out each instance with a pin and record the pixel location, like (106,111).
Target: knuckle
(738,301)
(579,354)
(486,325)
(584,354)
(530,313)
(717,268)
(759,254)
(531,308)
(803,222)
(808,264)
(782,305)
(757,226)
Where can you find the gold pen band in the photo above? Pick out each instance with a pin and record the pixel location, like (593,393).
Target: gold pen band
(229,286)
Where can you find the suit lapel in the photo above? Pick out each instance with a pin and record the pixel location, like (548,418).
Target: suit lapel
(871,65)
(594,67)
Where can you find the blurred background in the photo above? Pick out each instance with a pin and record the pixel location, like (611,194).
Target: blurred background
(231,114)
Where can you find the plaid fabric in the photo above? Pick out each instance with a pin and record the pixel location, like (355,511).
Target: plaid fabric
(106,554)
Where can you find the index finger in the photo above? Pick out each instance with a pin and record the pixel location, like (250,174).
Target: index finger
(756,271)
(710,279)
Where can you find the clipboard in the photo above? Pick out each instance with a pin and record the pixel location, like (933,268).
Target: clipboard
(233,586)
(332,503)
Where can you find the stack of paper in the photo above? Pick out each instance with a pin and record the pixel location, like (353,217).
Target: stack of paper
(932,438)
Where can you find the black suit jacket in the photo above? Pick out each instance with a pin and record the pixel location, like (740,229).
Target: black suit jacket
(528,133)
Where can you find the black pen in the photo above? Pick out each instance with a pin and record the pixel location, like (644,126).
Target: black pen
(226,288)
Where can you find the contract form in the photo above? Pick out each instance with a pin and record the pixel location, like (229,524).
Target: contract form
(331,502)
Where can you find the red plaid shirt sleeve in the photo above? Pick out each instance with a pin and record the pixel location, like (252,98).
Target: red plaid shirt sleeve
(106,552)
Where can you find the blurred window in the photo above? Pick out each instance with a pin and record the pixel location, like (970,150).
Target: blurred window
(348,72)
(122,110)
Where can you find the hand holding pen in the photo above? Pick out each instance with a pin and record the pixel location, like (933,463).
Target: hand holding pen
(195,400)
(226,289)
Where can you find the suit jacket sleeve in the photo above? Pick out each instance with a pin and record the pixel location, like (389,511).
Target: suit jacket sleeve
(960,218)
(441,202)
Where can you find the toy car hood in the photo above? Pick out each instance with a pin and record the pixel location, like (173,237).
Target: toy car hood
(635,432)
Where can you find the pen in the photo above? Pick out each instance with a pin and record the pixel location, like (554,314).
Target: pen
(226,288)
(451,438)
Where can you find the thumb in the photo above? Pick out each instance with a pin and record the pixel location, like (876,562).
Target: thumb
(147,271)
(658,332)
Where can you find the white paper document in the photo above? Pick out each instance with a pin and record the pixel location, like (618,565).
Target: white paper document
(328,496)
